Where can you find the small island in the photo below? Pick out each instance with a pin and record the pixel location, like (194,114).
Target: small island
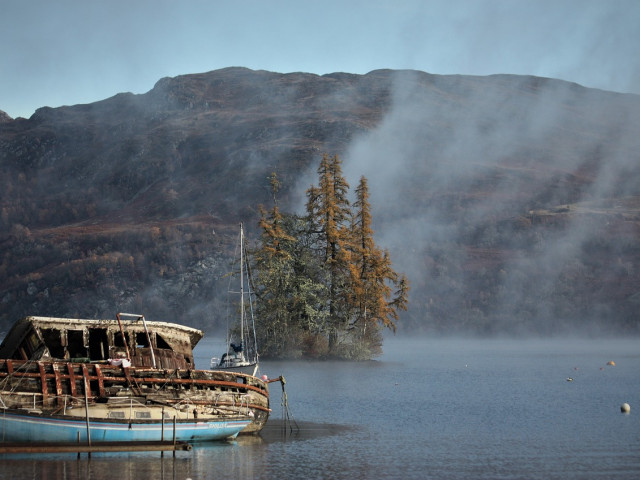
(324,288)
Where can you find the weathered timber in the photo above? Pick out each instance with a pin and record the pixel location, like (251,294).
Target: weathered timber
(52,366)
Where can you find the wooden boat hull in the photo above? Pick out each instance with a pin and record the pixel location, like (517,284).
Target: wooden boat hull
(115,370)
(55,387)
(24,427)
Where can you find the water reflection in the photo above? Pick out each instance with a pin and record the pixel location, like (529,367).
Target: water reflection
(97,467)
(245,457)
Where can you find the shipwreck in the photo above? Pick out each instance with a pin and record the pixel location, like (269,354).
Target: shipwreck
(119,379)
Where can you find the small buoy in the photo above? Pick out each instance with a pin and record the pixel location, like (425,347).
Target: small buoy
(611,363)
(625,408)
(265,378)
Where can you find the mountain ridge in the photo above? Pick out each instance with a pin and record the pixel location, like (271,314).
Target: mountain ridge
(119,198)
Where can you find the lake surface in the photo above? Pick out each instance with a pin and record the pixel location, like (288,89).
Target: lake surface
(440,409)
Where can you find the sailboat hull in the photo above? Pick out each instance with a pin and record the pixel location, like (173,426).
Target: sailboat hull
(24,427)
(247,368)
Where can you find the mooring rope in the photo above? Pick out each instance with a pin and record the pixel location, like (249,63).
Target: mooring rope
(287,416)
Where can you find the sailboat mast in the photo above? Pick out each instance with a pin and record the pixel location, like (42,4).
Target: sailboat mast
(241,285)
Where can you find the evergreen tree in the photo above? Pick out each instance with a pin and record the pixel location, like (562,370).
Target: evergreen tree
(288,308)
(327,214)
(272,261)
(374,304)
(324,287)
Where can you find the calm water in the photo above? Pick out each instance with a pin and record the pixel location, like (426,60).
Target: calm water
(442,409)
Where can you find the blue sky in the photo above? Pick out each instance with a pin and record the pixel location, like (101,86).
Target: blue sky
(66,52)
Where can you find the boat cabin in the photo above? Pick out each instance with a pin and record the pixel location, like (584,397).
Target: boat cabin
(135,342)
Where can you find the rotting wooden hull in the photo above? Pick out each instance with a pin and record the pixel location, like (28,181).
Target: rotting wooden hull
(29,427)
(50,364)
(54,387)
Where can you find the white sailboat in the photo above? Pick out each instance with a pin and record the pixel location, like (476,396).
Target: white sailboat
(242,354)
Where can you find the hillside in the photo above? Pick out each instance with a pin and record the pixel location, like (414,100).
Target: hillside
(511,202)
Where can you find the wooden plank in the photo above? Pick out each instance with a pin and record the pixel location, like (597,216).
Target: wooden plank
(43,383)
(58,385)
(72,380)
(86,382)
(134,381)
(100,379)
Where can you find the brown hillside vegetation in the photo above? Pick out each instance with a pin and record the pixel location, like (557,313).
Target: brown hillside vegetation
(510,202)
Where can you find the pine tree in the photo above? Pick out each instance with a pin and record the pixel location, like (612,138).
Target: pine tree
(272,261)
(374,302)
(288,308)
(327,213)
(325,288)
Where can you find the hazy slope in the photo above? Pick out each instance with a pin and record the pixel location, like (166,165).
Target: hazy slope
(511,202)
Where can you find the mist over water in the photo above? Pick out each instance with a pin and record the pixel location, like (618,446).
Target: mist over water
(442,408)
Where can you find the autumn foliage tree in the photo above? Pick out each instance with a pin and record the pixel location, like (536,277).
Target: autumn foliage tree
(328,212)
(325,285)
(376,291)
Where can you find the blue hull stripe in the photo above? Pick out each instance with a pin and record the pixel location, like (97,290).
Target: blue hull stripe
(26,428)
